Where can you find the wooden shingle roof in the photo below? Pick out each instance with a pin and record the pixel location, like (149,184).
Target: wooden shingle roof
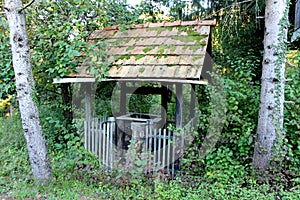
(170,51)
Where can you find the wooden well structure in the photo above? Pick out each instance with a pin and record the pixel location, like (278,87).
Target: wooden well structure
(169,54)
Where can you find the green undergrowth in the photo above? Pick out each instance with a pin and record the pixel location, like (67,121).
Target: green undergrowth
(77,175)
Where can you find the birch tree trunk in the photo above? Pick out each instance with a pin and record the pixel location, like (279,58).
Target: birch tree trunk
(270,121)
(33,132)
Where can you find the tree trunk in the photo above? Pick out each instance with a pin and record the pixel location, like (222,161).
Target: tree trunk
(33,132)
(270,121)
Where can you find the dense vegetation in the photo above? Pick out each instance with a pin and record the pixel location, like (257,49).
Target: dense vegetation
(224,173)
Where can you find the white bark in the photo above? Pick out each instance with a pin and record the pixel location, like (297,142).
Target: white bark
(270,122)
(37,149)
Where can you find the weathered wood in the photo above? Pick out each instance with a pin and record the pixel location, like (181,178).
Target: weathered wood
(193,101)
(112,127)
(123,98)
(88,101)
(74,80)
(157,80)
(178,115)
(158,146)
(93,136)
(296,33)
(297,15)
(164,105)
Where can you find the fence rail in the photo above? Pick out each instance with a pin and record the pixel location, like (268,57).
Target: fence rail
(147,149)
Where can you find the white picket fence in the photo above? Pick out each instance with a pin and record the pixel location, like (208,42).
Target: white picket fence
(148,150)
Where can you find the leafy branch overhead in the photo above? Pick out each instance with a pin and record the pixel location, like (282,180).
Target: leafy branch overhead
(4,8)
(21,9)
(26,6)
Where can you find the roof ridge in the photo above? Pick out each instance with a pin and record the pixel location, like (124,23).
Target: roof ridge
(166,24)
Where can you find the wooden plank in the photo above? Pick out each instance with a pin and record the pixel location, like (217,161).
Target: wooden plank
(164,103)
(297,15)
(150,146)
(103,144)
(173,155)
(155,80)
(178,115)
(193,101)
(147,157)
(155,150)
(74,80)
(111,122)
(93,136)
(89,135)
(164,149)
(159,159)
(100,141)
(125,50)
(107,146)
(86,134)
(88,101)
(123,98)
(184,70)
(296,33)
(96,135)
(168,153)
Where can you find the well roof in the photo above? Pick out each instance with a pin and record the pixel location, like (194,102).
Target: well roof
(155,51)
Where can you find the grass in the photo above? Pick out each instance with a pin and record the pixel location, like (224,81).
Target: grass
(82,178)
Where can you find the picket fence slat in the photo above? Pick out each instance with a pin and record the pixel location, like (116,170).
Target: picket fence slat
(157,146)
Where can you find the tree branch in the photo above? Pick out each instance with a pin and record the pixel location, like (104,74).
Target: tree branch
(290,64)
(289,102)
(288,79)
(4,8)
(26,6)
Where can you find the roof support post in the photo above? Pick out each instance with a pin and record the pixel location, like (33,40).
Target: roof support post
(178,115)
(88,101)
(123,98)
(193,101)
(164,104)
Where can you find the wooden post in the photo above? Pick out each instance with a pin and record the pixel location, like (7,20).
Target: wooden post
(123,98)
(296,33)
(178,115)
(88,101)
(164,105)
(193,101)
(297,15)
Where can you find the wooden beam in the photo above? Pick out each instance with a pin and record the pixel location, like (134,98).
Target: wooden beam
(74,80)
(297,15)
(123,102)
(193,101)
(296,33)
(88,101)
(197,82)
(178,115)
(164,105)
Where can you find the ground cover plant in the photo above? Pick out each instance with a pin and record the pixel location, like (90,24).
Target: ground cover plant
(77,175)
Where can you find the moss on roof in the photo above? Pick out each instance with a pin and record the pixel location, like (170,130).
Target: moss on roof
(159,30)
(164,46)
(148,48)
